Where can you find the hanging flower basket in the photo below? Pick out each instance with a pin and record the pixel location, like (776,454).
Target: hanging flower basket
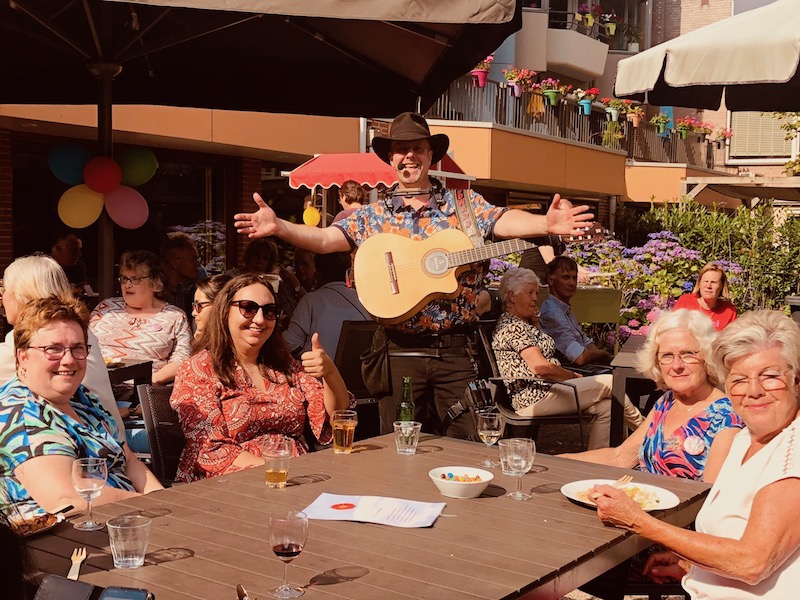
(634,119)
(479,77)
(612,113)
(552,97)
(611,28)
(588,20)
(516,88)
(585,106)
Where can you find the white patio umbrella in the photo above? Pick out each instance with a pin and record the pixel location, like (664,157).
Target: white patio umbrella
(752,57)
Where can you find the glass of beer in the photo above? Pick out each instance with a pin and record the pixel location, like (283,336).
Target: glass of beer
(344,428)
(277,452)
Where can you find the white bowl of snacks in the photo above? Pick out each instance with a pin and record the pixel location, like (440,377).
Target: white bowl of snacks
(460,482)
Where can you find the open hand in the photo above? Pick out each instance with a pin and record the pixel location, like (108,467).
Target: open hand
(663,567)
(262,223)
(316,361)
(565,219)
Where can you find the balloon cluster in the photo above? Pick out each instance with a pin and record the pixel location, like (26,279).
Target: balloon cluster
(102,181)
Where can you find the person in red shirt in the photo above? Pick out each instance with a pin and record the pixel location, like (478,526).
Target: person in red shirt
(709,295)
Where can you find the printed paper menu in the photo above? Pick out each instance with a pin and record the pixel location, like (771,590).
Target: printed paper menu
(374,509)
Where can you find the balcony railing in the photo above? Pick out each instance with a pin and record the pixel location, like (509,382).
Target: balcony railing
(496,103)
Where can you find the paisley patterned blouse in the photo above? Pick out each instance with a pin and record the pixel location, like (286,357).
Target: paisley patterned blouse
(219,422)
(374,218)
(683,453)
(31,427)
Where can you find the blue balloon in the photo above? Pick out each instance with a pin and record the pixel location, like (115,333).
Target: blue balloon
(66,161)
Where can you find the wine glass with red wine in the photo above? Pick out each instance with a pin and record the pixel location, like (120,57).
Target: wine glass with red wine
(287,536)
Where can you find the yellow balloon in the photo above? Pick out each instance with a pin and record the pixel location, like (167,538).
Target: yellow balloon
(80,206)
(311,216)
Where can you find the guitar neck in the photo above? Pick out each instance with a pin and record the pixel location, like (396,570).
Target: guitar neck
(487,251)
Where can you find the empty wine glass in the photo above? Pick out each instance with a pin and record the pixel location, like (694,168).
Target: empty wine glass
(88,478)
(516,458)
(490,429)
(287,536)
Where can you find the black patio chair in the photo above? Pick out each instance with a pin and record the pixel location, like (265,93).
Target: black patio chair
(164,432)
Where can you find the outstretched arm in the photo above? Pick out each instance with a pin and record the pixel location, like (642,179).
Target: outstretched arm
(264,222)
(562,218)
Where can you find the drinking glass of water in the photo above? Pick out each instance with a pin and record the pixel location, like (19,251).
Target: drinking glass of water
(516,458)
(88,478)
(490,429)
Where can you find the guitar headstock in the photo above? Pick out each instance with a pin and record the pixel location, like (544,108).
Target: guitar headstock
(592,231)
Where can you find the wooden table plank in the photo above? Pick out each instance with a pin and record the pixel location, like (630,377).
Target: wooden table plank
(490,548)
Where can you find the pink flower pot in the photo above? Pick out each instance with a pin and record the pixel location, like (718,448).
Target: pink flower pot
(479,77)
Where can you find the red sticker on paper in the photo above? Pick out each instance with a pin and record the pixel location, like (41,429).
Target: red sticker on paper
(343,506)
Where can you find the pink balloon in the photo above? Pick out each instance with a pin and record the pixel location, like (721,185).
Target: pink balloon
(127,207)
(102,174)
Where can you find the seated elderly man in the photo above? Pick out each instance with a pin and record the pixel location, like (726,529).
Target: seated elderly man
(557,319)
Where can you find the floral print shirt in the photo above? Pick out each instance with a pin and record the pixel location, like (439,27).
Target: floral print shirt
(219,423)
(439,314)
(30,427)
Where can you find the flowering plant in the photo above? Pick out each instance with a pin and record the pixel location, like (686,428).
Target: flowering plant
(565,89)
(589,94)
(692,124)
(621,105)
(659,119)
(550,84)
(724,133)
(610,17)
(637,111)
(522,76)
(484,64)
(584,9)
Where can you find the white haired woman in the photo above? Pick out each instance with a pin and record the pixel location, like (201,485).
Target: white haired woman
(522,350)
(38,276)
(747,542)
(691,427)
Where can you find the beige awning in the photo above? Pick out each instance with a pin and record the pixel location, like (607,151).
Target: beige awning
(747,189)
(752,57)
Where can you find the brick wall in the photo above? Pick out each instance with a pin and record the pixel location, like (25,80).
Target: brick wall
(672,18)
(248,180)
(6,213)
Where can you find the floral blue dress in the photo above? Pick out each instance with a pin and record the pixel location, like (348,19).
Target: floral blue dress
(683,452)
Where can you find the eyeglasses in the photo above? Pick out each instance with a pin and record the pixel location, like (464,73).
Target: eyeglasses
(688,357)
(405,148)
(770,381)
(134,280)
(198,306)
(249,309)
(79,352)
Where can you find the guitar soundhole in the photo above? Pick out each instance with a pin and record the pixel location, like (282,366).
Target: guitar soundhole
(435,263)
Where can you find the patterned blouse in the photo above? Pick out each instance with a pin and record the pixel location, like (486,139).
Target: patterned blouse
(30,427)
(511,336)
(684,452)
(374,218)
(219,423)
(164,337)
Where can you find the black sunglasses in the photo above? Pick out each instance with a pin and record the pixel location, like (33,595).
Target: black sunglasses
(249,309)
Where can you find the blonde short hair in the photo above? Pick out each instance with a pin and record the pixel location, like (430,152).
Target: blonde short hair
(37,276)
(699,327)
(715,268)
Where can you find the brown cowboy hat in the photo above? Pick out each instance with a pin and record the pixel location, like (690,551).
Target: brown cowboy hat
(410,126)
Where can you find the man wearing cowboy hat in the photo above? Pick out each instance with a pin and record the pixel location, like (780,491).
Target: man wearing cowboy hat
(431,346)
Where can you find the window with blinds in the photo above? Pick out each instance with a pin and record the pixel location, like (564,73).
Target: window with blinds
(758,135)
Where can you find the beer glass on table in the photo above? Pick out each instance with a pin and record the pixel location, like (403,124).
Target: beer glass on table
(344,428)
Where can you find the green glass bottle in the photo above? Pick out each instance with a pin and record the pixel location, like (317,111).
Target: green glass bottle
(405,410)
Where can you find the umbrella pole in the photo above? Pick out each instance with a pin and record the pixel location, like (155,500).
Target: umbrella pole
(105,73)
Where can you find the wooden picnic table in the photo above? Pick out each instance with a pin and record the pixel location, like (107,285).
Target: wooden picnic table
(208,536)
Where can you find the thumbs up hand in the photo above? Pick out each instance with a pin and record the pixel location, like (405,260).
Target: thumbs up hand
(316,361)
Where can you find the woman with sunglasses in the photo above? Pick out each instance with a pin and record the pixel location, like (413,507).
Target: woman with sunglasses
(48,419)
(204,295)
(241,387)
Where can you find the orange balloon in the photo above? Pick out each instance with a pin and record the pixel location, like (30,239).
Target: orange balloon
(80,206)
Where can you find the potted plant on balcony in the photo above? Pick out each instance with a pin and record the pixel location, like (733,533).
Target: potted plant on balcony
(550,90)
(660,121)
(633,36)
(481,71)
(589,13)
(792,167)
(683,125)
(615,107)
(519,80)
(635,115)
(585,99)
(610,20)
(722,136)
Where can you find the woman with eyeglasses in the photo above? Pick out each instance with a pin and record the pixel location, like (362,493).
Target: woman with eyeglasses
(241,387)
(747,542)
(141,325)
(48,419)
(30,278)
(204,295)
(691,427)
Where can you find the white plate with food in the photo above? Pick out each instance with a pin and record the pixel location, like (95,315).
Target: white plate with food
(113,363)
(36,525)
(649,497)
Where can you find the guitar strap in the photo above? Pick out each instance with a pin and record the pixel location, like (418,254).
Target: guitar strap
(466,218)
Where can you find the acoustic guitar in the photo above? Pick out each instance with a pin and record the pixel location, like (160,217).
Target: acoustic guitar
(396,276)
